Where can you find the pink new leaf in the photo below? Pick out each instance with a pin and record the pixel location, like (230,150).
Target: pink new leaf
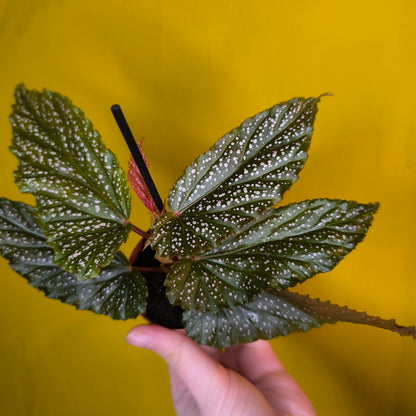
(137,183)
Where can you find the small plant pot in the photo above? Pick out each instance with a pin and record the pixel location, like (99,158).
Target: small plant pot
(159,310)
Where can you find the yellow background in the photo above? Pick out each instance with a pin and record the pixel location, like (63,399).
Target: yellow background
(186,72)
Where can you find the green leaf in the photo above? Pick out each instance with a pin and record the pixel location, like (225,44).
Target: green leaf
(119,291)
(272,314)
(282,248)
(81,192)
(265,317)
(327,312)
(243,174)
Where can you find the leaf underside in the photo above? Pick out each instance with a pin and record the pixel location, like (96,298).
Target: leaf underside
(273,314)
(138,184)
(243,174)
(119,291)
(81,192)
(284,247)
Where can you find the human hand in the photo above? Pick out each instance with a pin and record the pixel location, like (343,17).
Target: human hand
(245,379)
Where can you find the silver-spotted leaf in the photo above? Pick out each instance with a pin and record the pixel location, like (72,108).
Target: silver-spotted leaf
(328,312)
(285,246)
(272,314)
(243,174)
(119,291)
(81,192)
(265,317)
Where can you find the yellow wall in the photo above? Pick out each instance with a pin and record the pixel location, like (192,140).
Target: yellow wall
(186,72)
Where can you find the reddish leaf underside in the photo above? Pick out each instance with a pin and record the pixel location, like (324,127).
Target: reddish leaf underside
(137,183)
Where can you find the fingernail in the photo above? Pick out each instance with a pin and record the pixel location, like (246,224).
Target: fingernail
(138,339)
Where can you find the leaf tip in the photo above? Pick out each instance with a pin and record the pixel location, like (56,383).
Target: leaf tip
(326,94)
(20,87)
(373,208)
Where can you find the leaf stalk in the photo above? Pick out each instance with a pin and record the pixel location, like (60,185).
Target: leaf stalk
(145,269)
(139,231)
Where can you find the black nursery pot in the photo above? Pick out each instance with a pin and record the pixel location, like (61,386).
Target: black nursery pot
(158,310)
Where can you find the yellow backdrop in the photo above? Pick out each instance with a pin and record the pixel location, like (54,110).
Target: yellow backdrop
(186,72)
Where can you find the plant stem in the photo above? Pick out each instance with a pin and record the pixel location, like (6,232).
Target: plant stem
(137,156)
(145,269)
(139,231)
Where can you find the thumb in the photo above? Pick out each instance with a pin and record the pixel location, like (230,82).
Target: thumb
(182,355)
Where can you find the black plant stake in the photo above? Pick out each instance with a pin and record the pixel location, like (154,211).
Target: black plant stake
(137,156)
(219,260)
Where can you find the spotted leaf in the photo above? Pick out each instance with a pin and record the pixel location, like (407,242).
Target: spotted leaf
(272,314)
(81,192)
(265,317)
(285,246)
(119,291)
(243,174)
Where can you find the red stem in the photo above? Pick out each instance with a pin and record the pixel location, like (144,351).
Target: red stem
(142,233)
(149,269)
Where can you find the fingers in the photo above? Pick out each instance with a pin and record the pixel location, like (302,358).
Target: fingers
(253,360)
(258,363)
(185,358)
(212,387)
